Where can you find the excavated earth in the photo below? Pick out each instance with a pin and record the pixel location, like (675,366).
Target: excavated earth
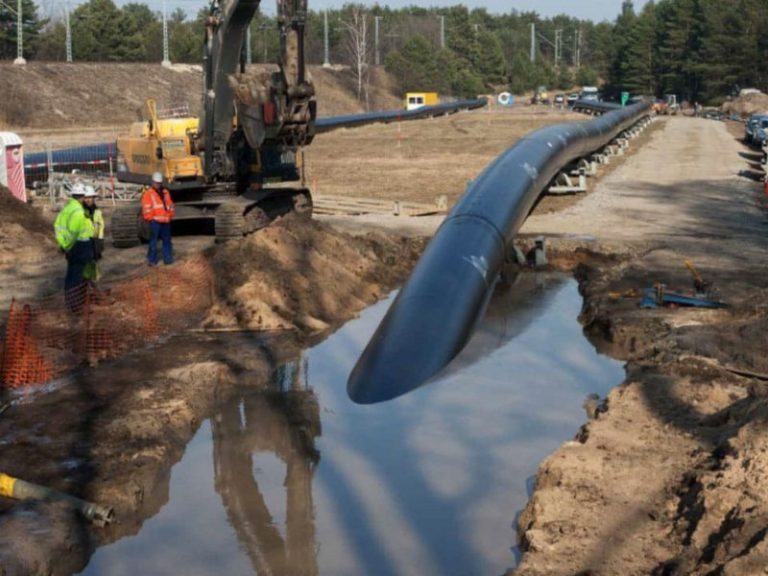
(111,433)
(668,477)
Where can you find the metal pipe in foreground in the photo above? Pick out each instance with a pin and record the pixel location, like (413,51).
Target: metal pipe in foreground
(437,309)
(11,487)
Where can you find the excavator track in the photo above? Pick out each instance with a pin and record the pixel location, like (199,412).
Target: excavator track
(128,229)
(230,222)
(237,219)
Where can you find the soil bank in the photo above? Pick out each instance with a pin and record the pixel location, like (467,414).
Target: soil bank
(111,434)
(668,478)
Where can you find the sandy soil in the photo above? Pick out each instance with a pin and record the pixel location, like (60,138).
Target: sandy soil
(667,479)
(420,161)
(304,276)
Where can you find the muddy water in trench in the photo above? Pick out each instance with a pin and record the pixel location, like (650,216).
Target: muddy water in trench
(429,483)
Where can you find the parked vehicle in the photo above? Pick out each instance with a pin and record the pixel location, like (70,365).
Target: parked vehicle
(659,106)
(416,100)
(572,97)
(673,107)
(760,134)
(590,93)
(559,99)
(751,126)
(541,96)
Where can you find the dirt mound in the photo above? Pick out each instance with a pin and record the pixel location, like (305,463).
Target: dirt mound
(304,275)
(56,95)
(23,229)
(747,104)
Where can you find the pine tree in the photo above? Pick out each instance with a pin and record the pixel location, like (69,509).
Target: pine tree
(102,32)
(30,28)
(681,29)
(638,66)
(183,43)
(621,41)
(491,65)
(415,66)
(151,29)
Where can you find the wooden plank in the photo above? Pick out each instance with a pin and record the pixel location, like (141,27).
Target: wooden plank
(333,204)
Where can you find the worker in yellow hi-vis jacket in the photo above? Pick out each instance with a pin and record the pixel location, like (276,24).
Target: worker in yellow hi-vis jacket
(74,235)
(92,271)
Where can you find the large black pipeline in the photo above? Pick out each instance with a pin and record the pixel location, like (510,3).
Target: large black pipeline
(594,106)
(437,309)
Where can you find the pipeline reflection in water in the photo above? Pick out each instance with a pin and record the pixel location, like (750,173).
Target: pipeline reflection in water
(514,306)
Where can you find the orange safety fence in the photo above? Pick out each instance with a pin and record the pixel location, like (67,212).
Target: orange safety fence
(44,339)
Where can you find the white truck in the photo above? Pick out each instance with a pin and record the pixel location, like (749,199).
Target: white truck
(589,93)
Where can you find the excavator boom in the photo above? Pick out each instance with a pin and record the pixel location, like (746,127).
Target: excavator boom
(273,110)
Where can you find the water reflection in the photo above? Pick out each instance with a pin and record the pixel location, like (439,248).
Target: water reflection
(428,483)
(283,422)
(514,306)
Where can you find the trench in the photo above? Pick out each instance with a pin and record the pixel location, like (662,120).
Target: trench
(300,480)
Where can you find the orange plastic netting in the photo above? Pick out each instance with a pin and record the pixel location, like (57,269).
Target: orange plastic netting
(46,338)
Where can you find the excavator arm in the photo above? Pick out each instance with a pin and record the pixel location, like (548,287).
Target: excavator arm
(244,112)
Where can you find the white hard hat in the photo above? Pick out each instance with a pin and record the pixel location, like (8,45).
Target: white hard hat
(157,177)
(90,192)
(77,190)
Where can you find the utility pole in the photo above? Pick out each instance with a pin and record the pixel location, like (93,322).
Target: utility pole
(69,34)
(166,60)
(327,59)
(558,46)
(533,42)
(442,32)
(376,51)
(575,57)
(19,37)
(578,49)
(248,55)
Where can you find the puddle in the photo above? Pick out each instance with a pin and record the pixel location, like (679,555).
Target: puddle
(303,481)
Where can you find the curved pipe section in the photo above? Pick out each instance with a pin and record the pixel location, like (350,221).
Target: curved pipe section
(437,309)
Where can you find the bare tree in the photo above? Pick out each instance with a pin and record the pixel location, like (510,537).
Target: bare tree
(357,48)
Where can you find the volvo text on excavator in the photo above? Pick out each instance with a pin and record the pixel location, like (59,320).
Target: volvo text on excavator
(239,164)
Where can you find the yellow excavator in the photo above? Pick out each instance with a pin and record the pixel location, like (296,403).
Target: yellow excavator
(230,166)
(161,145)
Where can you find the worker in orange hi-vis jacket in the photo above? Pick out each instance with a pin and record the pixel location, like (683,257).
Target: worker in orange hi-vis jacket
(157,209)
